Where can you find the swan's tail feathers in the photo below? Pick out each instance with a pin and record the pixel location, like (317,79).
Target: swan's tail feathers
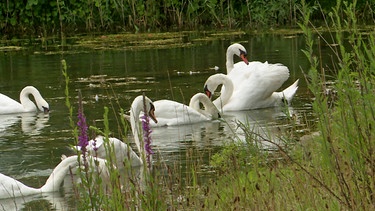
(289,92)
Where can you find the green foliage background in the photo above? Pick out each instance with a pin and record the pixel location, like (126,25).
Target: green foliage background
(67,17)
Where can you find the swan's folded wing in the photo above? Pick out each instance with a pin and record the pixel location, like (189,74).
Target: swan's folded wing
(8,105)
(173,113)
(266,79)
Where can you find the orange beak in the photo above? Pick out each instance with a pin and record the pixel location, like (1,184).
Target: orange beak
(243,57)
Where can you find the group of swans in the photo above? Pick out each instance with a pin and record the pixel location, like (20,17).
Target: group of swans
(10,187)
(249,85)
(162,112)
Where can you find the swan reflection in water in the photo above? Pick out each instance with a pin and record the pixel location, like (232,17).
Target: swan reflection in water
(31,123)
(261,125)
(265,123)
(46,201)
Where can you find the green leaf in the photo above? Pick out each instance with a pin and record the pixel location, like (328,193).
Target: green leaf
(13,21)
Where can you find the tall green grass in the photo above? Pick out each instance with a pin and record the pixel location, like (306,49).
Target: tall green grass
(346,117)
(335,169)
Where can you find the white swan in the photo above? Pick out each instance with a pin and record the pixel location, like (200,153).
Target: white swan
(120,149)
(242,71)
(8,105)
(257,91)
(171,112)
(10,187)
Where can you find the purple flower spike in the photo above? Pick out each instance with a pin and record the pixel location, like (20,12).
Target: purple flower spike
(147,137)
(83,139)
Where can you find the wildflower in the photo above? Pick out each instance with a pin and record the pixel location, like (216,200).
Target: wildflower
(147,137)
(83,139)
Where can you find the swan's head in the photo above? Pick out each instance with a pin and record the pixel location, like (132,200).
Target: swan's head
(212,83)
(151,112)
(238,50)
(40,102)
(207,91)
(42,105)
(139,105)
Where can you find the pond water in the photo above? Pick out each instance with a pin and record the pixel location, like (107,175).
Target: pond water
(31,144)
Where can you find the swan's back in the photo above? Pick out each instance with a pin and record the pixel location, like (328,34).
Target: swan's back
(171,113)
(254,86)
(120,149)
(9,106)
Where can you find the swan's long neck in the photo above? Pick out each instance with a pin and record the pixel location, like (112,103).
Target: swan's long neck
(55,179)
(135,111)
(25,100)
(228,89)
(229,63)
(210,108)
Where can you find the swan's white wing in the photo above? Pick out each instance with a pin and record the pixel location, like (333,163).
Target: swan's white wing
(239,65)
(269,76)
(241,72)
(173,113)
(258,82)
(266,79)
(8,105)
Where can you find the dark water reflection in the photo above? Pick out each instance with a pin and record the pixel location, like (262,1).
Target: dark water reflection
(31,145)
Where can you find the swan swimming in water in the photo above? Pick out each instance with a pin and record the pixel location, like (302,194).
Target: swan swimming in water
(171,112)
(9,106)
(243,72)
(10,187)
(258,91)
(96,147)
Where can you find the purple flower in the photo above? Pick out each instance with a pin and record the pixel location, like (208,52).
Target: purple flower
(147,137)
(83,139)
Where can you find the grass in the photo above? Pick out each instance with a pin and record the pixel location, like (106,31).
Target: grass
(333,170)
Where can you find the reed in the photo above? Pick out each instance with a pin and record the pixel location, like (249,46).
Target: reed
(333,170)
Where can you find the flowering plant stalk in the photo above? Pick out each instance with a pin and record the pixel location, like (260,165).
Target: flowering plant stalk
(83,139)
(147,136)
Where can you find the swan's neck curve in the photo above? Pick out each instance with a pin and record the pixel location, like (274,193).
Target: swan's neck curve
(135,111)
(228,89)
(55,179)
(210,108)
(229,63)
(25,100)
